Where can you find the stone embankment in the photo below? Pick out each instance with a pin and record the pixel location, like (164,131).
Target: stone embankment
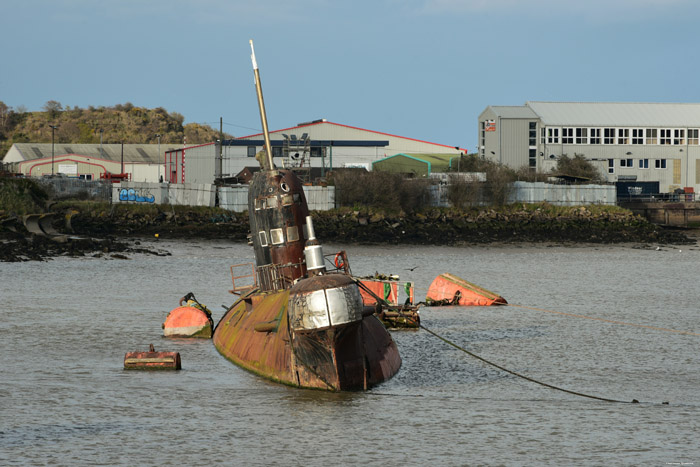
(433,227)
(524,223)
(454,227)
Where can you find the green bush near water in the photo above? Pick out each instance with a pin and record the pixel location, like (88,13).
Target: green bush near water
(20,196)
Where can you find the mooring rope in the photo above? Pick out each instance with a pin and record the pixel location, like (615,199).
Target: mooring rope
(532,380)
(472,354)
(689,333)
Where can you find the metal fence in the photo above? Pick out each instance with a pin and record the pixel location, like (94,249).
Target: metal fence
(562,195)
(321,198)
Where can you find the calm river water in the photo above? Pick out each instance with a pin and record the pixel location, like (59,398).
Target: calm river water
(67,323)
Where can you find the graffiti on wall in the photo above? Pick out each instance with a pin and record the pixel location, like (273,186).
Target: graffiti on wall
(139,196)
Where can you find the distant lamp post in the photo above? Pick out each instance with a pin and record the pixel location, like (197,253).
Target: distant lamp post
(53,132)
(158,135)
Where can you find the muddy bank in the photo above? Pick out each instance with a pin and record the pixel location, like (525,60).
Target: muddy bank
(18,244)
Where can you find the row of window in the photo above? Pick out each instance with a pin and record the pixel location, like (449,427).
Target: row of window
(278,152)
(641,163)
(277,236)
(585,135)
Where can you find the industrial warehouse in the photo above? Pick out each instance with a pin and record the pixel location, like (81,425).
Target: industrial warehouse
(645,150)
(642,142)
(319,144)
(310,148)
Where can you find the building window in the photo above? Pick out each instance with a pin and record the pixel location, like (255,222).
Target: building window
(553,135)
(693,136)
(251,151)
(483,139)
(611,166)
(567,136)
(317,152)
(532,159)
(643,163)
(660,163)
(581,135)
(637,136)
(626,163)
(623,136)
(652,134)
(594,136)
(533,134)
(665,137)
(608,135)
(678,136)
(277,151)
(263,238)
(543,136)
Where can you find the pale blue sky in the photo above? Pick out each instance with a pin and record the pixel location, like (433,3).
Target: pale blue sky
(418,68)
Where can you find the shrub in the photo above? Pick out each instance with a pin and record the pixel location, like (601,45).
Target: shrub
(385,190)
(578,166)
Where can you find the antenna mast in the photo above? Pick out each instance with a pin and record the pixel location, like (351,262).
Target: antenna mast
(261,105)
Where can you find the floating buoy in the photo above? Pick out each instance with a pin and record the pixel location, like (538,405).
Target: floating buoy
(152,360)
(190,319)
(448,289)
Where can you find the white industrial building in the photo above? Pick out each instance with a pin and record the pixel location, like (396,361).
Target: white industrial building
(142,162)
(647,142)
(313,145)
(317,144)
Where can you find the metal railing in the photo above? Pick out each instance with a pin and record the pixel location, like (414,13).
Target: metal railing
(657,198)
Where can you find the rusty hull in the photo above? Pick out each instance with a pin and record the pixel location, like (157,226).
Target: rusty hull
(276,203)
(254,334)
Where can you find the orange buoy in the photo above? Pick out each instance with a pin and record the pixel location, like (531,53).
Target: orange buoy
(448,289)
(152,360)
(189,320)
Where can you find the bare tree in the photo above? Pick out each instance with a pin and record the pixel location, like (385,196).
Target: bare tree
(53,108)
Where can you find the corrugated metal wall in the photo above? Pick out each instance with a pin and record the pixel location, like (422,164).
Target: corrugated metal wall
(199,164)
(187,194)
(514,142)
(563,195)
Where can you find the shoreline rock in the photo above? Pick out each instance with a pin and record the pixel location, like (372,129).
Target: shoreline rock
(448,227)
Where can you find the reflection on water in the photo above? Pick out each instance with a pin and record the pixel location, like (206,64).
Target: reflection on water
(67,324)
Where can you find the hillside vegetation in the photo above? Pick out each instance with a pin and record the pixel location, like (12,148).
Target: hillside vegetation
(123,123)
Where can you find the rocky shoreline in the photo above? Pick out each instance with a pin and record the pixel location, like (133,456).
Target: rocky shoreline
(111,232)
(453,227)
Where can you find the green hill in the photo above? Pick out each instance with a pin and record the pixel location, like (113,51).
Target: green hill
(123,123)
